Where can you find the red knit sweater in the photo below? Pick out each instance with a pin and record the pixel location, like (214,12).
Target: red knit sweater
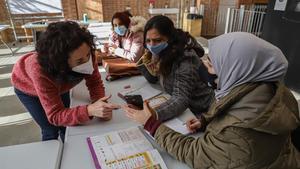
(28,77)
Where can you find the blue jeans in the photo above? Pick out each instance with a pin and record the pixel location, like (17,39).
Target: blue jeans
(34,107)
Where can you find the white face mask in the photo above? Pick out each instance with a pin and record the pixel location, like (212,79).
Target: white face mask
(85,68)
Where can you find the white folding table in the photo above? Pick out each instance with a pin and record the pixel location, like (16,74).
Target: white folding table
(38,155)
(76,154)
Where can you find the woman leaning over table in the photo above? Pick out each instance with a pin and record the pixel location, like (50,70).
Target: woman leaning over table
(42,79)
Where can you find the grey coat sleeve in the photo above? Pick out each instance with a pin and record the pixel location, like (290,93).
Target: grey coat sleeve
(183,86)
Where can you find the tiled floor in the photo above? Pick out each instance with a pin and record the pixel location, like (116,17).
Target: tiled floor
(16,124)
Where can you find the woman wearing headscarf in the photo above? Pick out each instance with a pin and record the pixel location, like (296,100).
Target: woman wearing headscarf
(250,121)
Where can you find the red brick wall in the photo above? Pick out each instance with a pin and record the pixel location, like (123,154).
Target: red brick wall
(7,34)
(104,9)
(3,13)
(250,2)
(138,7)
(69,9)
(210,16)
(93,8)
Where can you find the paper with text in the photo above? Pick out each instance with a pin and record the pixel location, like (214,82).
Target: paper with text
(126,149)
(178,126)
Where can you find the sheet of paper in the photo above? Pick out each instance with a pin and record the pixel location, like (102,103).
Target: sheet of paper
(118,137)
(178,126)
(146,160)
(146,91)
(156,160)
(124,149)
(117,145)
(109,154)
(280,5)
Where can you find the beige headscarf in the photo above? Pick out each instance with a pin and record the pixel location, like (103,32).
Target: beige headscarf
(240,57)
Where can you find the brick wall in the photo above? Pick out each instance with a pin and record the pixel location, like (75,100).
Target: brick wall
(103,10)
(69,9)
(210,16)
(139,7)
(4,19)
(93,8)
(209,23)
(3,13)
(250,2)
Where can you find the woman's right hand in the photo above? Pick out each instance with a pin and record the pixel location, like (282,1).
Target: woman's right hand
(102,109)
(193,124)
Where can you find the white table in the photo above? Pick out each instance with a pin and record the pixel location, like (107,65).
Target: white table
(44,24)
(2,28)
(38,155)
(80,96)
(101,31)
(76,154)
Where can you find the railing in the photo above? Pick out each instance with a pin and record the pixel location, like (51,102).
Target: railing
(216,20)
(241,20)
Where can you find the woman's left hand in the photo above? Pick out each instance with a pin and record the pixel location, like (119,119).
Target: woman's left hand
(193,124)
(139,116)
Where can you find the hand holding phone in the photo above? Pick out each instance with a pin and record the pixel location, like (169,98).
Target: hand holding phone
(134,100)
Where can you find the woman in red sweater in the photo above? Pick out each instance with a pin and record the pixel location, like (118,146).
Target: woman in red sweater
(64,57)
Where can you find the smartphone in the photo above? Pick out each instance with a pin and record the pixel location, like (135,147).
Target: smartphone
(134,100)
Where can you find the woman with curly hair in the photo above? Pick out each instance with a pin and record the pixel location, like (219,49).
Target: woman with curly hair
(42,79)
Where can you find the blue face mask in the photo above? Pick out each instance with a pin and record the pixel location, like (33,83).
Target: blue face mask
(120,30)
(156,49)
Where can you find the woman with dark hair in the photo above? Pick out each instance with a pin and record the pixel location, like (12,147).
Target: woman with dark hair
(64,56)
(249,124)
(126,40)
(173,58)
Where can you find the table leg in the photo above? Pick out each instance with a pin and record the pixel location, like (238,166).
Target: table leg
(5,44)
(34,36)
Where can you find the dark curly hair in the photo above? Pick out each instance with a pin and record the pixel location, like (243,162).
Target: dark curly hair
(57,43)
(177,39)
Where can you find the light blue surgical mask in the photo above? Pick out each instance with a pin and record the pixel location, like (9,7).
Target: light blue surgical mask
(120,30)
(156,49)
